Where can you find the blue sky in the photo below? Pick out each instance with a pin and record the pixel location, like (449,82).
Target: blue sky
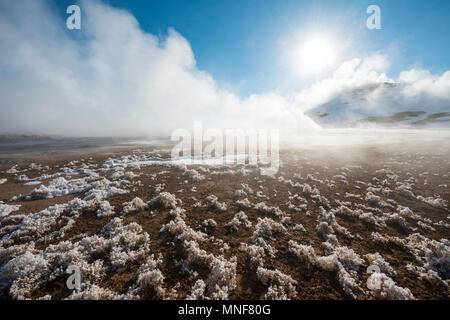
(240,42)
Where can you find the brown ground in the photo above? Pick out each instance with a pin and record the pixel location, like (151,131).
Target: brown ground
(324,163)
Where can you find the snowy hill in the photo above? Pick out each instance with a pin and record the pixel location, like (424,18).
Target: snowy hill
(382,105)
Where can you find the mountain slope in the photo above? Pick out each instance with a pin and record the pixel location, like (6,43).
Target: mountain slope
(382,104)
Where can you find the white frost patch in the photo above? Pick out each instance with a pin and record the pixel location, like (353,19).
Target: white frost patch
(388,289)
(220,283)
(425,226)
(262,207)
(281,286)
(299,227)
(198,291)
(119,174)
(23,271)
(342,260)
(138,161)
(12,170)
(181,231)
(434,202)
(222,278)
(407,212)
(396,220)
(209,224)
(239,219)
(135,205)
(328,226)
(194,175)
(351,195)
(257,251)
(245,203)
(21,178)
(267,228)
(6,209)
(29,270)
(105,209)
(246,190)
(99,189)
(213,201)
(165,200)
(150,279)
(366,217)
(405,190)
(34,227)
(377,260)
(2,181)
(376,201)
(94,292)
(434,256)
(32,183)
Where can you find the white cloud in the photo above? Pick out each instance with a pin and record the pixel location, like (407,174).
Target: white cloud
(115,79)
(413,90)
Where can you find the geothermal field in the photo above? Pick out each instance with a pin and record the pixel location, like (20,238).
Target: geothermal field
(347,222)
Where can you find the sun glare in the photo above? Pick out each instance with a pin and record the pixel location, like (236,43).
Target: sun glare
(314,56)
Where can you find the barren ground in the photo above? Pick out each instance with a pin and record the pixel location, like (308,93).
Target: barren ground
(309,232)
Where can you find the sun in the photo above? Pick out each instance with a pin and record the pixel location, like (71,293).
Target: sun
(314,56)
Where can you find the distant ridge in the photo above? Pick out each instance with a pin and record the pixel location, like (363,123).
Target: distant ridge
(353,109)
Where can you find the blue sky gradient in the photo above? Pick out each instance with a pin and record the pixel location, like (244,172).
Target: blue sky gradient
(240,42)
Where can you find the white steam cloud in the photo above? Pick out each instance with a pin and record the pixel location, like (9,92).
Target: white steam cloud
(114,79)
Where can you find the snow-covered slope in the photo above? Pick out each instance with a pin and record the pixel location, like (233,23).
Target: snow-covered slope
(381,105)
